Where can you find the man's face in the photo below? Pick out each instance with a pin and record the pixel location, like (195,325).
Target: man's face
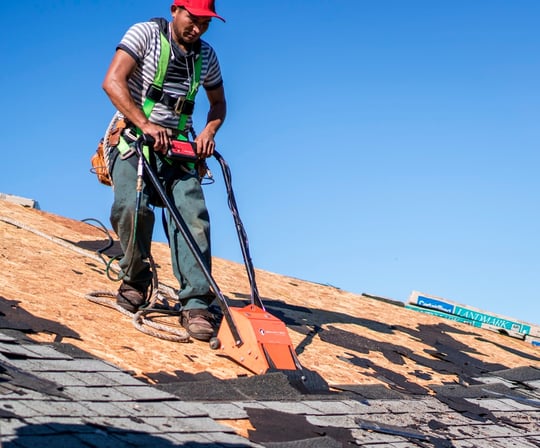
(187,27)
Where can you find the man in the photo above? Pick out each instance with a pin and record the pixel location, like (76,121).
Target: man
(128,83)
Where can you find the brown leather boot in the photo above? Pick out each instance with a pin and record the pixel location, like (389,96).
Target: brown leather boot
(131,297)
(199,323)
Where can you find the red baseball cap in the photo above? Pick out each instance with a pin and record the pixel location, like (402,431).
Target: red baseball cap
(201,8)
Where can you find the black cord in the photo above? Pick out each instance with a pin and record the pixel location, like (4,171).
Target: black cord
(110,243)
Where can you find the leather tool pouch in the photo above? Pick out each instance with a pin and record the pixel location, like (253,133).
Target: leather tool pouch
(99,165)
(98,160)
(116,132)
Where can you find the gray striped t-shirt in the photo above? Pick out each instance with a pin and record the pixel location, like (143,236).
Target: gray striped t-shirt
(142,42)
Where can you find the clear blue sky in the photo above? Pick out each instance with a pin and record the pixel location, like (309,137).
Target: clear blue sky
(380,146)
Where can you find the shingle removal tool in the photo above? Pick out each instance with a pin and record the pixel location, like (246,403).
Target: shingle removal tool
(250,335)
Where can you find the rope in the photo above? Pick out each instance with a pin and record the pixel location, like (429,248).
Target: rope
(54,239)
(107,298)
(141,318)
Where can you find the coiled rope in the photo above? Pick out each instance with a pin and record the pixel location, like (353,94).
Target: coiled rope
(141,319)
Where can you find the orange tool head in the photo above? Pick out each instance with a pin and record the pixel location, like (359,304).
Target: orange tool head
(265,341)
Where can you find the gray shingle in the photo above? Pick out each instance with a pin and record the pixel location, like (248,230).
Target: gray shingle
(75,378)
(81,393)
(187,424)
(512,442)
(145,393)
(18,393)
(21,408)
(62,409)
(122,378)
(403,420)
(294,407)
(10,426)
(250,404)
(106,409)
(363,437)
(54,365)
(46,421)
(502,404)
(148,409)
(18,350)
(338,421)
(223,410)
(45,351)
(191,409)
(329,407)
(64,378)
(480,431)
(519,417)
(6,338)
(122,424)
(450,418)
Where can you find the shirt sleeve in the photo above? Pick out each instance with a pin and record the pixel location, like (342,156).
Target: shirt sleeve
(213,78)
(137,41)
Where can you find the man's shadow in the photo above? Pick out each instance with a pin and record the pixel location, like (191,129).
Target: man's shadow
(13,317)
(58,435)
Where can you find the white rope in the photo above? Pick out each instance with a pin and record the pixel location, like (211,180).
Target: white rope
(166,332)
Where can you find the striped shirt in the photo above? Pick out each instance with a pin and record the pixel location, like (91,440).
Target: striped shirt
(142,42)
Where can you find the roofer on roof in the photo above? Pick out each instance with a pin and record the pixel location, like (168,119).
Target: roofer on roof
(130,83)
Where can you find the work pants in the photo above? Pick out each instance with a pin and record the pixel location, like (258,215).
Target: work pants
(185,192)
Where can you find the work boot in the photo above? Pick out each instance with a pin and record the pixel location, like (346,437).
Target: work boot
(199,323)
(131,297)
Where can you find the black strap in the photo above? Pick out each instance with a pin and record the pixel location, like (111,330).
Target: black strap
(180,104)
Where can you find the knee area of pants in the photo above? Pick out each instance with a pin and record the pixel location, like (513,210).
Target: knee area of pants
(128,211)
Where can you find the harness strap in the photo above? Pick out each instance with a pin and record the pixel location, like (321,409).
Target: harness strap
(159,77)
(193,88)
(157,85)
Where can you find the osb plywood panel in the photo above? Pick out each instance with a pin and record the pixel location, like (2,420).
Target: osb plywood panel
(48,265)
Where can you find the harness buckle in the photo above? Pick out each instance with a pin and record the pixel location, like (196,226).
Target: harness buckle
(155,93)
(184,106)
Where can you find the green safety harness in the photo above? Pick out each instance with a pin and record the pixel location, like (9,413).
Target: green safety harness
(157,85)
(155,94)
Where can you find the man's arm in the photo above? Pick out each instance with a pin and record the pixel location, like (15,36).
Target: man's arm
(116,87)
(216,115)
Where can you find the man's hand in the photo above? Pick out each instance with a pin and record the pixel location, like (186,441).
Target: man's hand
(205,144)
(160,136)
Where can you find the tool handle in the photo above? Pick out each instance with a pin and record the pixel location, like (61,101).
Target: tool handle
(188,237)
(240,230)
(148,140)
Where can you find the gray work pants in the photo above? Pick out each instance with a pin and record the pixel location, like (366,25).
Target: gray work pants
(185,191)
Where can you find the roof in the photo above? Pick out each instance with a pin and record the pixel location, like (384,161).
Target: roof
(76,373)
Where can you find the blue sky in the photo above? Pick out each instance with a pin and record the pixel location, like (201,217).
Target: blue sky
(380,146)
